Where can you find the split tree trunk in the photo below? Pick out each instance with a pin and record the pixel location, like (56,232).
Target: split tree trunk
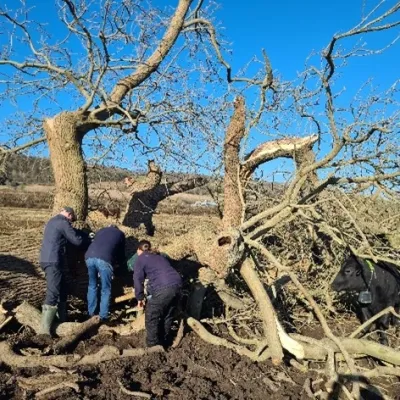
(69,169)
(233,206)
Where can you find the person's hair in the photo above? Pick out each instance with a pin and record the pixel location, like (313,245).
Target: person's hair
(144,245)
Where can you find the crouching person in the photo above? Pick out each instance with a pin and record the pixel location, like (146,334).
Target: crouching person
(164,284)
(107,248)
(57,233)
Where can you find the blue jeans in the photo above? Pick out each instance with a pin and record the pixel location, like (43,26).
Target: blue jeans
(99,268)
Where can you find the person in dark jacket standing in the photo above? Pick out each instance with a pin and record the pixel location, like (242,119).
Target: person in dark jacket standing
(164,284)
(57,233)
(107,248)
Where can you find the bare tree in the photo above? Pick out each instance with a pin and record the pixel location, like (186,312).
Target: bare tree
(134,69)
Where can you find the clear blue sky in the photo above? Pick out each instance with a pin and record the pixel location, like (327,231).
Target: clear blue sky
(288,30)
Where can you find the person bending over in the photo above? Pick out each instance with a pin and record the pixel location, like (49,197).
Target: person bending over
(164,284)
(107,248)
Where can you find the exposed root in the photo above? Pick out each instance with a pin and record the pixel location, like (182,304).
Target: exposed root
(125,297)
(28,315)
(106,353)
(61,385)
(272,386)
(301,367)
(68,341)
(266,310)
(127,329)
(217,341)
(47,380)
(133,393)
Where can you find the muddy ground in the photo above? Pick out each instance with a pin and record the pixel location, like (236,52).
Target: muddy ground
(195,370)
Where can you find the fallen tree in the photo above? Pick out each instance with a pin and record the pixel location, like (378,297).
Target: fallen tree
(312,218)
(311,350)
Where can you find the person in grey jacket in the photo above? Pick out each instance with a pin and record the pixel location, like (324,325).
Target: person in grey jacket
(57,233)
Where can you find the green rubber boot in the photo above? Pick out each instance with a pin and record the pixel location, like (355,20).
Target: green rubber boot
(48,315)
(62,313)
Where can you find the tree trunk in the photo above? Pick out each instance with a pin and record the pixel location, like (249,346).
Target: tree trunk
(233,206)
(69,169)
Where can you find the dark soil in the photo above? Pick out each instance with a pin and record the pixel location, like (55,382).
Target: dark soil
(195,370)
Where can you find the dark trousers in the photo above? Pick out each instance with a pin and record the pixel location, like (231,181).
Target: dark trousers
(160,309)
(56,290)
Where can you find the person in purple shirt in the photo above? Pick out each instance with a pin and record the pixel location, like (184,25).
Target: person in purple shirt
(164,284)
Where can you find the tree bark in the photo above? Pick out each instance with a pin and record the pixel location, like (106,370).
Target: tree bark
(266,309)
(233,206)
(69,169)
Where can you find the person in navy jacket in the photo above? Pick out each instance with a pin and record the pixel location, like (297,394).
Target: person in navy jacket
(57,233)
(164,284)
(106,250)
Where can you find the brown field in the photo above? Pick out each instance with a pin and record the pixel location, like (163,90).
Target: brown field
(41,197)
(195,370)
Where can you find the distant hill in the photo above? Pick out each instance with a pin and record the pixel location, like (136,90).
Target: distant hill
(27,170)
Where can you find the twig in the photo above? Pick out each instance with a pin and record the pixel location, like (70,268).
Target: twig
(346,392)
(307,388)
(179,335)
(125,297)
(6,322)
(133,393)
(298,366)
(372,319)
